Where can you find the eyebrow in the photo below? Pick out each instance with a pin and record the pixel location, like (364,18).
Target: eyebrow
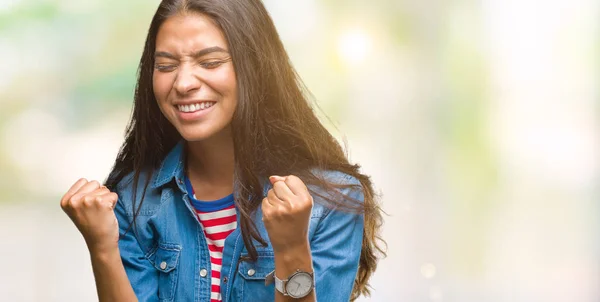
(198,54)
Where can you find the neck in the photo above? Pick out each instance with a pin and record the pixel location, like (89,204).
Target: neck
(210,164)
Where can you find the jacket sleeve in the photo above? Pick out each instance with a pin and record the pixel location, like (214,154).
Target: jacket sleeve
(142,275)
(335,248)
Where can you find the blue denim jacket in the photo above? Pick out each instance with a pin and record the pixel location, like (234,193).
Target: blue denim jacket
(168,232)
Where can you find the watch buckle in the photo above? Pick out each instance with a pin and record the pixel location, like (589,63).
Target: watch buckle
(270,278)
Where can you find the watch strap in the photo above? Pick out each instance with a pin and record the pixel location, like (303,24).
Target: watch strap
(279,284)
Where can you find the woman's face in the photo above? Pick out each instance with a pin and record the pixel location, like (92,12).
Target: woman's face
(194,80)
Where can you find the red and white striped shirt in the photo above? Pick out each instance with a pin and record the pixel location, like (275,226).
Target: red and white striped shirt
(218,219)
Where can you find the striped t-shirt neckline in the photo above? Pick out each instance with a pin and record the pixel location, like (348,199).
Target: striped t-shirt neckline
(218,219)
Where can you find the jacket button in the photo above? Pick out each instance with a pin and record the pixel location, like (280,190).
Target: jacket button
(163,265)
(203,273)
(225,279)
(251,272)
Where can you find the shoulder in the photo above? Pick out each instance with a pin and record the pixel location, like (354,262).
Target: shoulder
(334,182)
(336,177)
(335,190)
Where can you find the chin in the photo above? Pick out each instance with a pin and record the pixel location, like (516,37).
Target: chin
(208,128)
(196,135)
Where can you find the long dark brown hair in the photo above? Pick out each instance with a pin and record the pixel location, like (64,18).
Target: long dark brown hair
(275,130)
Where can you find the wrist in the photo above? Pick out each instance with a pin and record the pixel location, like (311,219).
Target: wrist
(102,246)
(291,259)
(292,252)
(104,253)
(293,248)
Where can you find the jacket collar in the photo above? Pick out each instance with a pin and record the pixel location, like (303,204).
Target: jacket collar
(172,167)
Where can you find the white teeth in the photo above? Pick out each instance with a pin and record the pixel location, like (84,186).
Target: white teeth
(195,107)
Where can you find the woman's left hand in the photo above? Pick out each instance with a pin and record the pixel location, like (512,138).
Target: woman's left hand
(286,213)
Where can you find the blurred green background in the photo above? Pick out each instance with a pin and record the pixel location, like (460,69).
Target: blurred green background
(478,121)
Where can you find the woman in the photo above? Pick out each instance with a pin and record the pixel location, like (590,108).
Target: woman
(193,209)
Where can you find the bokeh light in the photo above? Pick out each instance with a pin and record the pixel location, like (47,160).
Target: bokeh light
(354,46)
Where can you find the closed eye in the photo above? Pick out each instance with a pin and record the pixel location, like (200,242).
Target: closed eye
(165,67)
(213,63)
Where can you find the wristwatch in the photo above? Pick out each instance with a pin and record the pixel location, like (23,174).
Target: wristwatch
(297,285)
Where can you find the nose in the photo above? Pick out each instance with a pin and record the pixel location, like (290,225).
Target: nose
(187,80)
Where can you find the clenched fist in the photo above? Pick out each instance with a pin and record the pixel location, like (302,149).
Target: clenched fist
(286,213)
(90,207)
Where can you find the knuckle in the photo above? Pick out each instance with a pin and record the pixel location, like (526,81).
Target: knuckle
(64,203)
(72,204)
(74,199)
(89,200)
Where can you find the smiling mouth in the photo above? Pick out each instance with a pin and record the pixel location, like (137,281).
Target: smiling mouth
(195,107)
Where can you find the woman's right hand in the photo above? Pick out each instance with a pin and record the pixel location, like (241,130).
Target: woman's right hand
(90,207)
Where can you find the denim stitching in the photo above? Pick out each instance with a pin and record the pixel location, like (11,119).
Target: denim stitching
(232,258)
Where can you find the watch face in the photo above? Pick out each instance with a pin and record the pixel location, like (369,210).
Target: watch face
(299,285)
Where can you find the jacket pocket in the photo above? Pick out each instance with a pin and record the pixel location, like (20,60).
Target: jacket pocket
(165,258)
(251,286)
